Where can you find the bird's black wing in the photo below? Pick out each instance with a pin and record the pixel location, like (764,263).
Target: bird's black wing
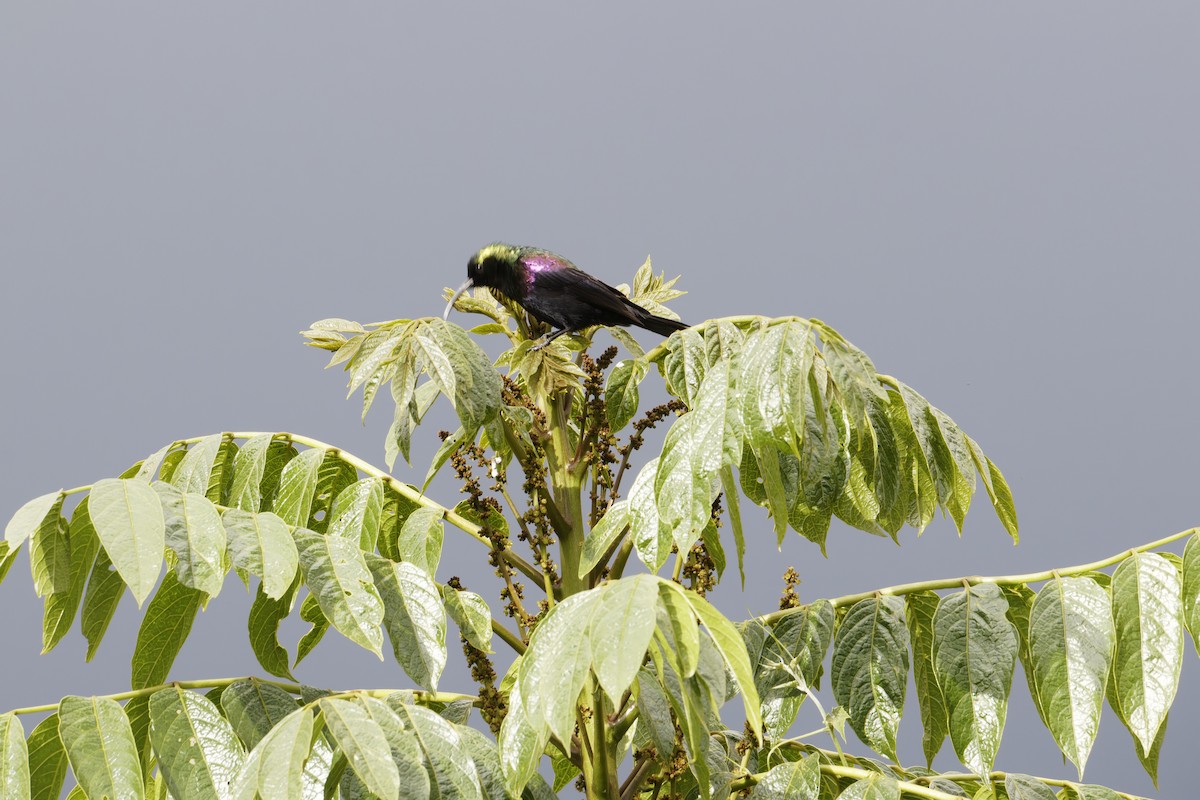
(586,299)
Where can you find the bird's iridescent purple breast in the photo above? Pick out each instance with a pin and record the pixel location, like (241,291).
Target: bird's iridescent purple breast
(536,261)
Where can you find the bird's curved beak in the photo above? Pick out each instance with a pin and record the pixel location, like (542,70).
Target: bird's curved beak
(457,294)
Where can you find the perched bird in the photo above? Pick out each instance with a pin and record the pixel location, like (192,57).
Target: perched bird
(556,291)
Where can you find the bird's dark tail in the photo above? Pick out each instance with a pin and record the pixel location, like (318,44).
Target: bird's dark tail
(661,325)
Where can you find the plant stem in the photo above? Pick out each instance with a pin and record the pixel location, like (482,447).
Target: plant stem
(999,580)
(567,486)
(212,683)
(855,773)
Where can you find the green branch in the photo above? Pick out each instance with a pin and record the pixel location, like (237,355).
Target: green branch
(999,580)
(212,683)
(854,773)
(995,777)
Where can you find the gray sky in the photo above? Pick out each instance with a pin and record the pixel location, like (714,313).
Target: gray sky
(998,204)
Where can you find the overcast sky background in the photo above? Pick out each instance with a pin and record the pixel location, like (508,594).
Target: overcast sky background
(999,204)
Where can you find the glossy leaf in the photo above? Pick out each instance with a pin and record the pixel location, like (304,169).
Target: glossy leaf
(420,539)
(195,470)
(253,708)
(651,539)
(601,538)
(1026,787)
(263,623)
(366,748)
(61,607)
(873,787)
(621,392)
(164,629)
(473,617)
(50,554)
(869,670)
(1071,643)
(733,650)
(198,753)
(357,511)
(128,518)
(796,780)
(919,609)
(262,545)
(337,575)
(414,618)
(450,767)
(104,591)
(196,535)
(28,518)
(1147,608)
(99,743)
(974,653)
(249,465)
(14,758)
(1191,589)
(47,760)
(297,485)
(621,630)
(274,769)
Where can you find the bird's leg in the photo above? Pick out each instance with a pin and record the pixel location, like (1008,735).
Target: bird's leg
(547,340)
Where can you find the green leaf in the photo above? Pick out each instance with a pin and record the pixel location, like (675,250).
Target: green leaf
(50,554)
(366,748)
(1026,787)
(405,754)
(195,534)
(279,454)
(274,769)
(7,556)
(521,743)
(164,629)
(14,758)
(919,609)
(408,414)
(47,760)
(729,487)
(1081,791)
(414,618)
(651,539)
(621,631)
(473,617)
(99,743)
(869,670)
(310,612)
(104,591)
(974,653)
(337,574)
(997,489)
(128,518)
(872,787)
(685,365)
(61,607)
(29,518)
(654,713)
(254,708)
(420,539)
(263,623)
(198,752)
(450,767)
(621,392)
(356,513)
(1191,589)
(473,385)
(557,663)
(603,535)
(249,465)
(195,470)
(262,545)
(731,647)
(1147,608)
(1071,642)
(678,622)
(789,664)
(297,485)
(798,780)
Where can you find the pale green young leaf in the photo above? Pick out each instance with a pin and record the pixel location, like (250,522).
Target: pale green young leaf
(477,385)
(128,518)
(196,535)
(249,464)
(919,608)
(274,769)
(685,365)
(1191,589)
(29,518)
(297,485)
(149,466)
(195,470)
(1026,787)
(356,513)
(556,665)
(337,575)
(99,743)
(603,536)
(876,786)
(253,708)
(733,650)
(405,754)
(7,556)
(1071,639)
(1148,610)
(796,780)
(414,618)
(14,758)
(621,392)
(104,591)
(262,545)
(165,627)
(263,623)
(198,753)
(420,539)
(974,653)
(521,743)
(50,554)
(362,740)
(449,765)
(61,607)
(869,670)
(678,620)
(47,760)
(621,630)
(407,415)
(473,617)
(651,538)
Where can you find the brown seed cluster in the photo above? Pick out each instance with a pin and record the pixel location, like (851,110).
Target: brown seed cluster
(789,598)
